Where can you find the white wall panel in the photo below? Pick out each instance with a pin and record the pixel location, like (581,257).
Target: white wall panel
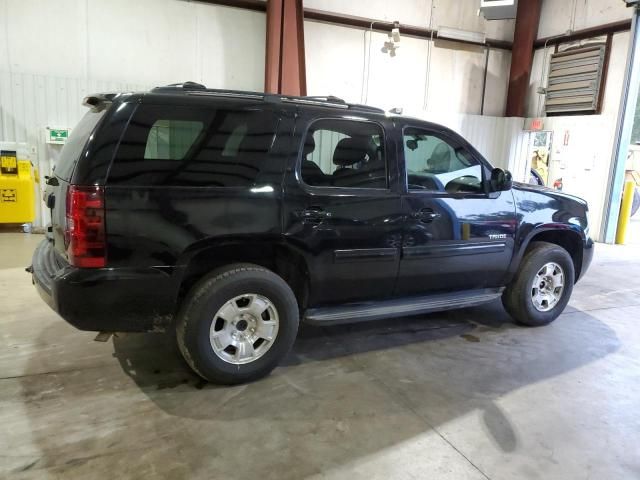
(498,139)
(29,103)
(583,164)
(495,102)
(335,58)
(461,14)
(410,12)
(348,63)
(397,81)
(615,75)
(558,16)
(52,54)
(146,41)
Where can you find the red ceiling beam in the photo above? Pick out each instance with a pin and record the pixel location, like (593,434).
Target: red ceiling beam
(524,37)
(606,29)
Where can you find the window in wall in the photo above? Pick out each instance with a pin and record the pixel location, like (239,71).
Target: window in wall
(344,153)
(438,164)
(198,147)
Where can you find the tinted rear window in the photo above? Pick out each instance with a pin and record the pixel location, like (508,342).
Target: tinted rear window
(74,146)
(181,146)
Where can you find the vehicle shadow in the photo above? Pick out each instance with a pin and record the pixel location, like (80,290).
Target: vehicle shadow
(154,361)
(343,393)
(469,357)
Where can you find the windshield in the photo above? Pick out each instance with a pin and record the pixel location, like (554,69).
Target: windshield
(77,140)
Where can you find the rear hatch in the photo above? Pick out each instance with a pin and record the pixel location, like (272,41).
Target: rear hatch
(57,186)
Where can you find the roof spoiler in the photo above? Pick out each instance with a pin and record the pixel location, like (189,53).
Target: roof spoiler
(99,101)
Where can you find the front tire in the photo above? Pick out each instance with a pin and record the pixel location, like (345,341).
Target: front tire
(542,287)
(237,324)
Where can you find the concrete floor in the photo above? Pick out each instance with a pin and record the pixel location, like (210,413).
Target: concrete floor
(455,395)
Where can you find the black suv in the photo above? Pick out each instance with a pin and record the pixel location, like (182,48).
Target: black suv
(231,215)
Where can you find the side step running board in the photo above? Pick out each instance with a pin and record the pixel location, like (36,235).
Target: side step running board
(364,311)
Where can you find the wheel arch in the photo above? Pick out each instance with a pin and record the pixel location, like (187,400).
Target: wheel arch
(567,238)
(280,258)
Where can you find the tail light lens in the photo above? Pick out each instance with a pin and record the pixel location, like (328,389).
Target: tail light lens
(85,232)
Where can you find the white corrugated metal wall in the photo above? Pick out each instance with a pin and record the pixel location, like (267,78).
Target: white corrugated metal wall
(30,103)
(501,140)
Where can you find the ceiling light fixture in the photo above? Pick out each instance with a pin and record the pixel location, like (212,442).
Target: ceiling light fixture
(391,45)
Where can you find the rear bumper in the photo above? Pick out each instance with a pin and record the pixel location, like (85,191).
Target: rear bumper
(104,299)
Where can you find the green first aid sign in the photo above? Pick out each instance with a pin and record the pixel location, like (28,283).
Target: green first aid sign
(58,135)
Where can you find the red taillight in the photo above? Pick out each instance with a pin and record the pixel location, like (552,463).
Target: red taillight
(85,233)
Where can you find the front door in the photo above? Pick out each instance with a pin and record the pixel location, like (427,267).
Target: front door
(343,208)
(457,234)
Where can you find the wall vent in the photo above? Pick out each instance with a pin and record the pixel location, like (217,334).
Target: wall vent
(575,79)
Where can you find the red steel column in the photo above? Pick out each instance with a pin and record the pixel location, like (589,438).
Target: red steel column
(284,62)
(293,76)
(526,30)
(273,50)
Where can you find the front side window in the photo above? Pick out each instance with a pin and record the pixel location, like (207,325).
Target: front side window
(344,153)
(437,164)
(180,146)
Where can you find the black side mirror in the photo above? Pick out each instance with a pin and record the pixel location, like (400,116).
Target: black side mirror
(501,180)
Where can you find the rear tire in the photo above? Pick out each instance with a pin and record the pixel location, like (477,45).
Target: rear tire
(542,286)
(237,324)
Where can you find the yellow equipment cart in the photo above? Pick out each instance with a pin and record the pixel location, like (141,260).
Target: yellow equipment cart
(17,189)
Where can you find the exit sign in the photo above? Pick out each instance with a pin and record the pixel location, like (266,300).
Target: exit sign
(58,136)
(537,124)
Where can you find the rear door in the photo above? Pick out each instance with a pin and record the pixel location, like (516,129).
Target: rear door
(457,235)
(342,208)
(193,173)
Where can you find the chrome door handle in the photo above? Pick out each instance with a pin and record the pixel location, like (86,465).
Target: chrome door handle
(313,214)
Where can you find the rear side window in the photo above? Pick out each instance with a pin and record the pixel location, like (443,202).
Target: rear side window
(171,139)
(77,141)
(344,153)
(179,146)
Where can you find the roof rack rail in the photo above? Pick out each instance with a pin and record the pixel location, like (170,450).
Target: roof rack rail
(193,88)
(366,108)
(182,86)
(325,98)
(334,102)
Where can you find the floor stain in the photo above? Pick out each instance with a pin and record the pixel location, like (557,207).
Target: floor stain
(28,466)
(470,338)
